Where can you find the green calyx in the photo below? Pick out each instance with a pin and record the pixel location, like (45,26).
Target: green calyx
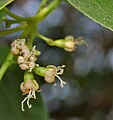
(28,76)
(41,71)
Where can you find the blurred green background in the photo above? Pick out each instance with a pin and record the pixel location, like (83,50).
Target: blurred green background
(88,94)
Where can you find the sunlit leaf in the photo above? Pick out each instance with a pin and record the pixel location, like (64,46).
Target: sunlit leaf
(100,11)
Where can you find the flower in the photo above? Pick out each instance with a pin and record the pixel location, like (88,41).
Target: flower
(29,88)
(53,72)
(71,43)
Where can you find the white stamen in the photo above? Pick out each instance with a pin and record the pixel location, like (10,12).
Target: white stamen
(33,94)
(28,97)
(62,83)
(22,103)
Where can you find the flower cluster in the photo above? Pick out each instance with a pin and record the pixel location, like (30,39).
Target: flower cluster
(26,57)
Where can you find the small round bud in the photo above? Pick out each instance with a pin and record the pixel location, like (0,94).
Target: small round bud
(33,58)
(23,66)
(70,45)
(25,51)
(23,89)
(20,59)
(15,50)
(28,85)
(31,64)
(13,44)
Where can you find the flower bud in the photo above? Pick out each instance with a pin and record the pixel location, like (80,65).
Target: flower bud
(69,43)
(20,59)
(31,65)
(15,51)
(23,89)
(32,58)
(25,51)
(23,66)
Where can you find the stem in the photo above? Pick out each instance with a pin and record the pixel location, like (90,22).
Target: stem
(26,32)
(45,11)
(32,35)
(42,5)
(9,22)
(13,30)
(46,39)
(28,76)
(7,11)
(6,64)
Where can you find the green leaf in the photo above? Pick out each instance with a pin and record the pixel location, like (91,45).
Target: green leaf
(4,3)
(100,11)
(1,14)
(11,97)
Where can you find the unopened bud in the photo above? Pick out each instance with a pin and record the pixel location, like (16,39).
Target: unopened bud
(33,58)
(25,51)
(23,66)
(15,51)
(20,59)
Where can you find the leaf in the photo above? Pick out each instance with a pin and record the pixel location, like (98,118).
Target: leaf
(4,3)
(10,96)
(1,14)
(100,11)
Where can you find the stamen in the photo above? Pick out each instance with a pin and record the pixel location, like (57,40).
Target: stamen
(28,97)
(62,83)
(22,103)
(33,50)
(60,70)
(33,94)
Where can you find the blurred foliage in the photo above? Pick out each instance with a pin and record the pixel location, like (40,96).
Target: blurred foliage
(98,10)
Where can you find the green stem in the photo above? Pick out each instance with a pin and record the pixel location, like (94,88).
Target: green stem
(9,22)
(42,5)
(45,11)
(7,11)
(26,32)
(6,64)
(32,35)
(13,30)
(46,39)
